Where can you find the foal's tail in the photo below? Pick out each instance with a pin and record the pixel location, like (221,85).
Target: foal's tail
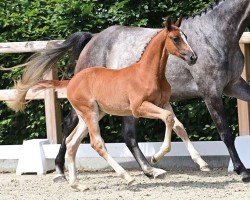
(40,64)
(44,84)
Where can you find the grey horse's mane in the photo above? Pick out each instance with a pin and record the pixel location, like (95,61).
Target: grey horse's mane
(207,9)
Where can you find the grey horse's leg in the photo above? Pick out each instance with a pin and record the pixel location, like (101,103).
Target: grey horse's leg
(239,89)
(129,135)
(69,124)
(216,109)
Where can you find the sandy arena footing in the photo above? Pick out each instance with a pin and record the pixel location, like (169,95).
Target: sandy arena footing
(187,184)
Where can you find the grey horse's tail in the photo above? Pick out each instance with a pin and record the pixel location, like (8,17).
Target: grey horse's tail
(40,64)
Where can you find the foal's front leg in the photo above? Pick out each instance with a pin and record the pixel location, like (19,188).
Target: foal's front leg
(149,110)
(181,132)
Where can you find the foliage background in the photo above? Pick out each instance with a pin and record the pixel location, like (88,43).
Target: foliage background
(26,20)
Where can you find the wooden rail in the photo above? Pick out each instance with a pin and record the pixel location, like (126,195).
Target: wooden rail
(243,106)
(51,96)
(25,47)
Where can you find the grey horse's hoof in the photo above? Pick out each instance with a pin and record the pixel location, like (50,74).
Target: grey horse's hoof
(59,179)
(246,176)
(155,173)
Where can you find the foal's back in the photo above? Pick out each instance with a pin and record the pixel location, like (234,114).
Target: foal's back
(107,87)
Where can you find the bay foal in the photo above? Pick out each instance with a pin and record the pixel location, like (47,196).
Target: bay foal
(140,90)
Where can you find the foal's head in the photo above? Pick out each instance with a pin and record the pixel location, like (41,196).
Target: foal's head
(176,42)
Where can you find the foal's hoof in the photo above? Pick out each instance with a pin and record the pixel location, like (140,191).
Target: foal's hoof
(130,181)
(153,160)
(80,188)
(128,178)
(205,168)
(246,176)
(159,173)
(59,179)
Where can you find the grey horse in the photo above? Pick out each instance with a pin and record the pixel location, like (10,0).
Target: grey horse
(214,35)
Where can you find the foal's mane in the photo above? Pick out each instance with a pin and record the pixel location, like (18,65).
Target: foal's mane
(210,7)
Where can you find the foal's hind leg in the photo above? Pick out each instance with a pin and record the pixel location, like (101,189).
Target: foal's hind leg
(129,136)
(72,142)
(97,143)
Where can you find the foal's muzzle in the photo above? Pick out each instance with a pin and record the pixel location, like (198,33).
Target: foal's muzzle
(189,57)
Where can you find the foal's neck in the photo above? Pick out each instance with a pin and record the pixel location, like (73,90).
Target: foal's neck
(153,60)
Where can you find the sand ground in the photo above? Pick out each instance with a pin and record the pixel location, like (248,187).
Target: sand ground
(195,185)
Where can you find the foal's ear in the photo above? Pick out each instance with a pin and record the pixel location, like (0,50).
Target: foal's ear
(168,23)
(178,22)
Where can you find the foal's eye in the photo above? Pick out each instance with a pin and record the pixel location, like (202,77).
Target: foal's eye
(176,39)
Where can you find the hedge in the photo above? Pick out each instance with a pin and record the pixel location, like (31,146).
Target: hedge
(26,20)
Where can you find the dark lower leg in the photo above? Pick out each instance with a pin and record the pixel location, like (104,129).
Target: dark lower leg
(215,107)
(70,123)
(128,133)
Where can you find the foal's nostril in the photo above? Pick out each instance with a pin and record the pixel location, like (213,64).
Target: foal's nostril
(193,57)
